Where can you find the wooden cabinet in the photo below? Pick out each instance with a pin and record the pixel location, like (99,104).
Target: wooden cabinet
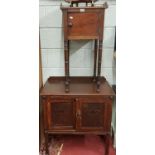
(84,23)
(81,111)
(79,105)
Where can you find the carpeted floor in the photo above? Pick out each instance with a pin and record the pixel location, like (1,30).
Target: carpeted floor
(78,145)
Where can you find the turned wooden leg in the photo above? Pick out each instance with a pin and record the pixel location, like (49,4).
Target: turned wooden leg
(95,58)
(99,65)
(66,48)
(107,143)
(46,144)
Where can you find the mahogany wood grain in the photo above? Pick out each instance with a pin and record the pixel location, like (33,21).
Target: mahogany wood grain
(85,24)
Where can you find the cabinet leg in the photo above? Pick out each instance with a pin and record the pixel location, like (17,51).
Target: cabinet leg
(66,48)
(46,144)
(67,85)
(107,144)
(99,65)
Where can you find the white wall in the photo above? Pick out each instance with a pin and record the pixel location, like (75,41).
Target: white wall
(81,56)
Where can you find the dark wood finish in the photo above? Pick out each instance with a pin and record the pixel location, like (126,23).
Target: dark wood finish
(84,23)
(92,114)
(80,111)
(79,85)
(46,142)
(107,142)
(60,109)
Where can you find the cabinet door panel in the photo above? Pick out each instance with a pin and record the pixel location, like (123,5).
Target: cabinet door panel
(62,114)
(92,115)
(83,24)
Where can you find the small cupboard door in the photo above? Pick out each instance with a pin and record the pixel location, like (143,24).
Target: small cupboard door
(91,114)
(83,24)
(61,114)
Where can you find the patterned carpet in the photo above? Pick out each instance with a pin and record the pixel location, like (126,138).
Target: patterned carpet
(77,145)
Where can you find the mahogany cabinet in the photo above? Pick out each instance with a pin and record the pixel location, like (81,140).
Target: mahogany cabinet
(81,111)
(84,23)
(79,105)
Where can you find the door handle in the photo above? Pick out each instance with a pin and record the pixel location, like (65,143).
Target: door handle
(70,24)
(78,114)
(76,100)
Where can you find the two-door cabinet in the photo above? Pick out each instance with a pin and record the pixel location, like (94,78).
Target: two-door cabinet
(80,111)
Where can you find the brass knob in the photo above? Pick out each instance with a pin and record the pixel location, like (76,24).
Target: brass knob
(111,97)
(43,97)
(70,24)
(78,114)
(76,99)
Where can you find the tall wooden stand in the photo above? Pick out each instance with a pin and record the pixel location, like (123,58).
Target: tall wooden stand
(84,23)
(87,98)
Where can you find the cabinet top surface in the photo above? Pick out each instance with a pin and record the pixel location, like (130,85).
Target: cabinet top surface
(83,7)
(104,6)
(78,86)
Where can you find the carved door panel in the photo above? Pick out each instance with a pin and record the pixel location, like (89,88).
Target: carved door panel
(83,24)
(61,114)
(92,113)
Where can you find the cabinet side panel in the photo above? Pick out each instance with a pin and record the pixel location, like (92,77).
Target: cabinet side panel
(45,113)
(108,116)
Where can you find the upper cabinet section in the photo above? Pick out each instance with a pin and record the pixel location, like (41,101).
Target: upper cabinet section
(83,22)
(51,16)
